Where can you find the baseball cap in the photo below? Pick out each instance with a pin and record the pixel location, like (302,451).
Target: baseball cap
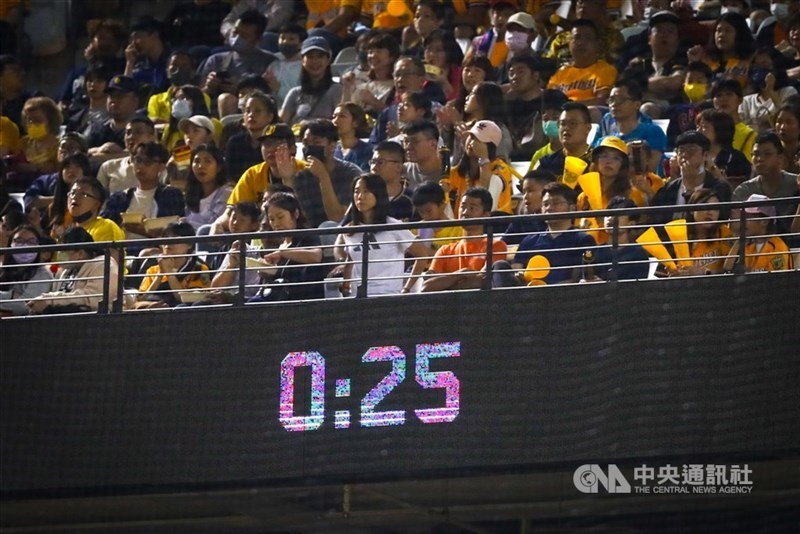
(522,19)
(693,137)
(613,142)
(197,120)
(487,132)
(122,84)
(315,42)
(277,131)
(767,211)
(663,16)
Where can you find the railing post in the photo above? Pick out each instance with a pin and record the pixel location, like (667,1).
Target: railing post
(739,268)
(103,307)
(242,282)
(362,288)
(612,275)
(119,301)
(486,283)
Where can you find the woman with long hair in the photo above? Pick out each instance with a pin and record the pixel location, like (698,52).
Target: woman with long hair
(787,125)
(207,188)
(722,157)
(710,239)
(351,123)
(484,103)
(20,278)
(728,53)
(374,95)
(767,75)
(443,57)
(73,167)
(296,272)
(388,248)
(318,94)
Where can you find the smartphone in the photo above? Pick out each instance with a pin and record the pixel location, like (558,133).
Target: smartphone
(637,160)
(314,151)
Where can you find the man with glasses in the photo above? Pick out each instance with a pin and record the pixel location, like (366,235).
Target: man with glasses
(409,76)
(771,180)
(574,126)
(117,174)
(387,162)
(691,151)
(421,142)
(149,198)
(556,254)
(624,121)
(84,201)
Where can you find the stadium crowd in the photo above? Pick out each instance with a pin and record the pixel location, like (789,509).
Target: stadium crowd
(235,117)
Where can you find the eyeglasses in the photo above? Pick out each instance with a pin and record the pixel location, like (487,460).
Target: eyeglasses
(570,124)
(80,195)
(380,161)
(24,242)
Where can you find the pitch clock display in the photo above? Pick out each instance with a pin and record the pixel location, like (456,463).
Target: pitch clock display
(370,414)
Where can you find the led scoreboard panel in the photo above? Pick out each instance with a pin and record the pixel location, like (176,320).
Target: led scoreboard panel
(398,387)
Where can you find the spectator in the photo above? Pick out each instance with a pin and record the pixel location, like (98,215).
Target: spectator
(180,72)
(424,162)
(775,32)
(92,109)
(558,251)
(523,104)
(20,278)
(574,125)
(787,125)
(552,102)
(297,258)
(149,198)
(39,148)
(220,72)
(632,260)
(474,70)
(84,201)
(118,174)
(588,79)
(146,56)
(480,166)
(106,140)
(79,282)
(461,265)
(727,97)
(12,89)
(710,239)
(245,218)
(187,100)
(729,52)
(532,189)
(387,162)
(278,13)
(484,103)
(197,130)
(725,161)
(73,168)
(767,75)
(642,176)
(284,73)
(243,149)
(625,121)
(430,203)
(207,191)
(609,38)
(520,34)
(413,106)
(374,95)
(443,59)
(317,95)
(763,252)
(691,153)
(177,270)
(388,248)
(492,43)
(771,180)
(428,17)
(40,193)
(351,125)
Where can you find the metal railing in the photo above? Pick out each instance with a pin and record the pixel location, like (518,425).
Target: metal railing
(109,303)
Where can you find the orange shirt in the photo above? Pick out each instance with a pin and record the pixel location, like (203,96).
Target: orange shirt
(499,168)
(772,256)
(711,254)
(467,253)
(583,84)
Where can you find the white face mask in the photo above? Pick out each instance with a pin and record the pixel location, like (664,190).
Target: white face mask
(516,41)
(780,11)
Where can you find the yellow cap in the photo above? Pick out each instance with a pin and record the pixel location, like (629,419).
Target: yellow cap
(615,143)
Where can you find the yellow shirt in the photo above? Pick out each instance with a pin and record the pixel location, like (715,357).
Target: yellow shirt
(104,230)
(9,135)
(744,138)
(159,106)
(322,12)
(381,19)
(584,84)
(775,256)
(546,150)
(254,183)
(711,254)
(735,68)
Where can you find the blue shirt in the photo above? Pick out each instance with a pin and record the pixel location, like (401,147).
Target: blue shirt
(359,155)
(557,251)
(645,131)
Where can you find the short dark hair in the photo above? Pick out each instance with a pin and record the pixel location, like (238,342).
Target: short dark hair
(97,188)
(80,159)
(769,136)
(727,84)
(385,41)
(426,193)
(579,107)
(560,189)
(141,119)
(295,29)
(251,17)
(179,229)
(434,5)
(525,59)
(78,234)
(633,87)
(693,137)
(149,25)
(320,128)
(586,23)
(253,81)
(540,175)
(153,150)
(392,147)
(620,202)
(422,126)
(420,100)
(248,209)
(553,99)
(699,66)
(482,194)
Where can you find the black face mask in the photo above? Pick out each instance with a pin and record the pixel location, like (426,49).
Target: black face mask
(288,50)
(83,217)
(178,77)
